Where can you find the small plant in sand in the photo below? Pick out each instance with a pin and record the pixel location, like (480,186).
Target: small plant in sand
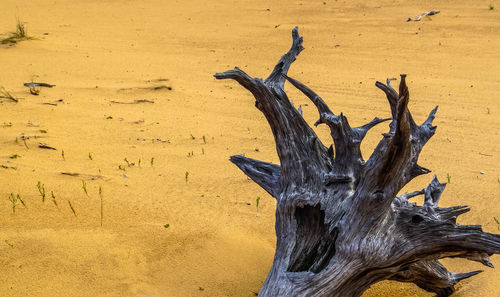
(152,161)
(14,156)
(90,156)
(54,198)
(5,94)
(121,167)
(84,187)
(187,176)
(202,151)
(100,198)
(166,226)
(257,204)
(9,244)
(34,89)
(62,155)
(21,200)
(498,223)
(139,162)
(488,110)
(126,161)
(72,209)
(192,137)
(491,7)
(41,189)
(448,176)
(25,144)
(19,35)
(13,199)
(204,140)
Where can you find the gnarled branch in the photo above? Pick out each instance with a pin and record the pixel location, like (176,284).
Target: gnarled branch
(265,174)
(340,223)
(347,140)
(300,151)
(432,276)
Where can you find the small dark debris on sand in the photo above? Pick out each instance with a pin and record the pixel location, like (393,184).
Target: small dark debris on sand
(157,80)
(71,173)
(152,88)
(429,13)
(138,122)
(24,137)
(156,88)
(8,167)
(143,101)
(85,176)
(137,101)
(487,155)
(47,147)
(35,84)
(34,87)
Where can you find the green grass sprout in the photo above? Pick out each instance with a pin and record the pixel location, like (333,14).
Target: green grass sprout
(54,198)
(41,189)
(19,35)
(84,187)
(13,200)
(72,209)
(100,197)
(257,204)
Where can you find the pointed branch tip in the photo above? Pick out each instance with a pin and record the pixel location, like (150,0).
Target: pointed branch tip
(264,174)
(461,276)
(281,68)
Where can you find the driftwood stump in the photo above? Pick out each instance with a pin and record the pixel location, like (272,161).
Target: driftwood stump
(340,224)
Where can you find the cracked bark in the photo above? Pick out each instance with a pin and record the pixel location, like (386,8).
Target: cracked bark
(340,224)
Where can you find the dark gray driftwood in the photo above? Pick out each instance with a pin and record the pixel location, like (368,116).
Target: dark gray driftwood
(340,224)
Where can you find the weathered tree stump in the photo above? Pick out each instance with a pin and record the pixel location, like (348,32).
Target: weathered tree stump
(340,224)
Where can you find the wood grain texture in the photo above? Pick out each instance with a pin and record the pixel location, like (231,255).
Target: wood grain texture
(340,224)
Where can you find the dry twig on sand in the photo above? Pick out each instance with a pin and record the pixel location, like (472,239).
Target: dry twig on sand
(5,94)
(137,101)
(420,16)
(44,146)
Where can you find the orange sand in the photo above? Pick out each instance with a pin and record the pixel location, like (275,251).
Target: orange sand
(215,245)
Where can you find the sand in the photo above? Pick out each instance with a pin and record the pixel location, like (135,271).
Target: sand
(98,53)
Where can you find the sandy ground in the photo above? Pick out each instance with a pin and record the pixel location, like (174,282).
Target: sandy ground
(98,53)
